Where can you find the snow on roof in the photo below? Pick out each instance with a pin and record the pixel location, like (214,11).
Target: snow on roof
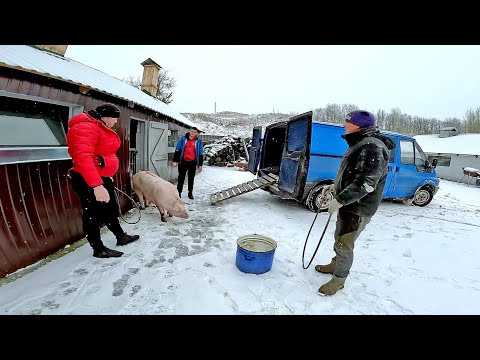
(468,144)
(27,58)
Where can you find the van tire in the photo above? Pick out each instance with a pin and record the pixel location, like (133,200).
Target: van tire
(423,196)
(313,199)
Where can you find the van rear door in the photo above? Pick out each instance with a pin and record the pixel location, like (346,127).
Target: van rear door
(294,164)
(254,154)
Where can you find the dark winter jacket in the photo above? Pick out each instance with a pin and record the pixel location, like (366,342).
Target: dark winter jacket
(88,138)
(178,156)
(361,177)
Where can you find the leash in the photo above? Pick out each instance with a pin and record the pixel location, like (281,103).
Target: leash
(69,176)
(134,203)
(321,237)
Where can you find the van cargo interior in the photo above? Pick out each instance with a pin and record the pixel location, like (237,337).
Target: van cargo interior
(274,139)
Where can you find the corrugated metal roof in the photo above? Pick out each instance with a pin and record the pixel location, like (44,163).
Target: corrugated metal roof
(45,63)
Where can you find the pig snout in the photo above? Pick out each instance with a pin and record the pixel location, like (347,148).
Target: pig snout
(179,211)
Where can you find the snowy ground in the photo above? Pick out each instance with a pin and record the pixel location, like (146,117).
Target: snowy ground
(409,260)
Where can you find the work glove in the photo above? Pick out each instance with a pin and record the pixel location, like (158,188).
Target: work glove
(326,189)
(334,206)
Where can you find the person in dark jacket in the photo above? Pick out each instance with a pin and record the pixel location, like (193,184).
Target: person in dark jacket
(358,190)
(188,156)
(92,144)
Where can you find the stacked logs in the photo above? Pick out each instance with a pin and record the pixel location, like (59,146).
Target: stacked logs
(226,151)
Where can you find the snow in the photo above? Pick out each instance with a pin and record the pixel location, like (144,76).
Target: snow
(459,144)
(409,260)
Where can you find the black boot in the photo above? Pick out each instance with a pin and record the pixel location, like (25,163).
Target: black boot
(106,253)
(190,196)
(126,239)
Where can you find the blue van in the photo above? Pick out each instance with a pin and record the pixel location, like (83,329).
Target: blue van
(306,155)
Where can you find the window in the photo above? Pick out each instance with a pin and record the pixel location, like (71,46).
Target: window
(407,153)
(32,123)
(420,158)
(442,160)
(172,138)
(297,135)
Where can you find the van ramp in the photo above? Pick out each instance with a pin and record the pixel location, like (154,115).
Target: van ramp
(244,188)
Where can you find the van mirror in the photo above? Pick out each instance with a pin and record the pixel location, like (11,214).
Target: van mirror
(434,163)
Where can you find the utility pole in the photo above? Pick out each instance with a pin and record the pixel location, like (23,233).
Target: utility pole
(215,108)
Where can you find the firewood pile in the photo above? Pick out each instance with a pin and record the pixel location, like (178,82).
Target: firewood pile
(227,151)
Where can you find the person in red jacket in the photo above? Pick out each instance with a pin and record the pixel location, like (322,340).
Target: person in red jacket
(93,144)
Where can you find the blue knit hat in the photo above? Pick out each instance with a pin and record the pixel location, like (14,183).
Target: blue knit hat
(361,118)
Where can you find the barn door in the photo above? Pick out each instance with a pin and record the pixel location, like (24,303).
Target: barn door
(158,149)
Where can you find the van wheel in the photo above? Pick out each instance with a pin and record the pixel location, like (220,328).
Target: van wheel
(315,201)
(423,197)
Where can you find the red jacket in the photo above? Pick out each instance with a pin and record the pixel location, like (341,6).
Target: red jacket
(86,138)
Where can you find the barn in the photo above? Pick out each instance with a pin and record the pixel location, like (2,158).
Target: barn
(454,153)
(40,90)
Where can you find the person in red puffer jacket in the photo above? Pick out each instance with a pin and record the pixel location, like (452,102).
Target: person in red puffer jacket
(93,144)
(188,157)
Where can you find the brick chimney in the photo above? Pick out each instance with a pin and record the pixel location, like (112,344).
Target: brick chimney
(150,76)
(57,49)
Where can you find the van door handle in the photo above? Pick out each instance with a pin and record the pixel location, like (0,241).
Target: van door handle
(397,169)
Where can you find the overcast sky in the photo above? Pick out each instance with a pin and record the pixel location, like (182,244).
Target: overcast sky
(425,80)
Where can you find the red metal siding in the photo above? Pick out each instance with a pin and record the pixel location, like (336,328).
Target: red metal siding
(39,215)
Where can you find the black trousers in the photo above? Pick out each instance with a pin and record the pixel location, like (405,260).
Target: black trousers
(183,168)
(96,213)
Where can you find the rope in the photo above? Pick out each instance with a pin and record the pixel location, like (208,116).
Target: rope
(324,193)
(319,242)
(134,203)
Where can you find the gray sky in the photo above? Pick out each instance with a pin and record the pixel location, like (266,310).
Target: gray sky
(425,80)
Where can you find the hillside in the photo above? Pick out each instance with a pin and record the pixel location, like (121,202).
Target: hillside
(233,123)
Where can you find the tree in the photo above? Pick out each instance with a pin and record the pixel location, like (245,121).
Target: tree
(166,83)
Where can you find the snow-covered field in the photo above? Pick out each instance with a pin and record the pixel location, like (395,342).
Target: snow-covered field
(409,260)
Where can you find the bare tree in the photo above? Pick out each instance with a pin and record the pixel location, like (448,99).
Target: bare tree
(166,83)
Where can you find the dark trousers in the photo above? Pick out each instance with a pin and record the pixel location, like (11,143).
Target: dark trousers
(96,213)
(349,228)
(183,168)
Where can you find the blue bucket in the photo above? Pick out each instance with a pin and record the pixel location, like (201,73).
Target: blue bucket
(255,254)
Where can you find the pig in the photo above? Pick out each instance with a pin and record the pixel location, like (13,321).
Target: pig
(151,187)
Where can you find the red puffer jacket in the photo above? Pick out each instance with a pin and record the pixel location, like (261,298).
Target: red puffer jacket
(86,138)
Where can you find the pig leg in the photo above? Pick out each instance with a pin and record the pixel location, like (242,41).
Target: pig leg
(140,199)
(163,213)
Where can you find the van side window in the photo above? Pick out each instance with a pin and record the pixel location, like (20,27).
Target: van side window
(407,153)
(297,136)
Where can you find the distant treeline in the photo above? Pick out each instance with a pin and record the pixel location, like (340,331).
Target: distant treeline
(399,122)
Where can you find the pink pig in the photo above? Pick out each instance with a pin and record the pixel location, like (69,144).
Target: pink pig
(151,187)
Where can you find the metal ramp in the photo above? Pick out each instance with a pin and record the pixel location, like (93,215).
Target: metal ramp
(248,186)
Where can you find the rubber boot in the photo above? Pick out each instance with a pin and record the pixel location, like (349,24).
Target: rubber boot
(331,287)
(326,269)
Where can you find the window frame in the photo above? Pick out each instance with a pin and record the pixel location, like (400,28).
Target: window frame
(26,154)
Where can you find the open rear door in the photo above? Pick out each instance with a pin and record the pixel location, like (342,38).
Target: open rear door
(294,164)
(254,154)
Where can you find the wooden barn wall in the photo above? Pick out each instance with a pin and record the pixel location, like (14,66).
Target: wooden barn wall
(39,212)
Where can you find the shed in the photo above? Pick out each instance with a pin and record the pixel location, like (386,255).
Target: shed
(448,131)
(40,90)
